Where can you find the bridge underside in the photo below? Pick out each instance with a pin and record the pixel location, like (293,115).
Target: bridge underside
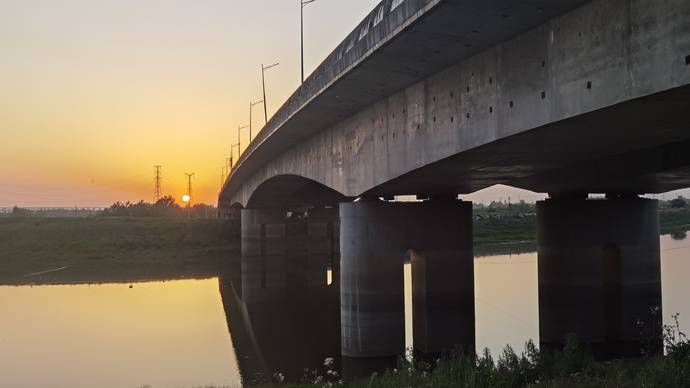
(593,101)
(639,146)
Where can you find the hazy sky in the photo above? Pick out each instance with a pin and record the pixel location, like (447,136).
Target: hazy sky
(93,93)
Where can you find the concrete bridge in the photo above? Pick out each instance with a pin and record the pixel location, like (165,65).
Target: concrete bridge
(436,98)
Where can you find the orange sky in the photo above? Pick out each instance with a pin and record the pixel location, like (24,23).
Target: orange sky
(94,93)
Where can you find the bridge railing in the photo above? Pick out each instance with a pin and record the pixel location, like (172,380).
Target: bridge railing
(383,21)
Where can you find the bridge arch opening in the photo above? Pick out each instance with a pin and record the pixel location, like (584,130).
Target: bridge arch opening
(294,191)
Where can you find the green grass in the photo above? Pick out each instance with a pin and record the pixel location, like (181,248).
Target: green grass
(104,249)
(573,367)
(674,221)
(494,236)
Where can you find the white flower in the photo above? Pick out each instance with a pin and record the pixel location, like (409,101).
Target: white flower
(329,362)
(279,377)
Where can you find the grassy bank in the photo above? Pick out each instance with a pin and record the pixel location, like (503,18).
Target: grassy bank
(491,234)
(572,367)
(105,249)
(674,221)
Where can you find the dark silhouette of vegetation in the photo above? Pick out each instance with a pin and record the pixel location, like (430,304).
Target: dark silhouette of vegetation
(19,212)
(164,207)
(679,202)
(571,367)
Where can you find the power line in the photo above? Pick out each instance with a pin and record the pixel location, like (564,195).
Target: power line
(157,181)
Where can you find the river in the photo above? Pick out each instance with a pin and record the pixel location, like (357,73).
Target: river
(189,333)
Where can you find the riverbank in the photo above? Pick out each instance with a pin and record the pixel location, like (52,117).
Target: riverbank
(508,232)
(108,249)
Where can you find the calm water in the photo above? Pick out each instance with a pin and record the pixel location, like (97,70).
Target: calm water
(199,332)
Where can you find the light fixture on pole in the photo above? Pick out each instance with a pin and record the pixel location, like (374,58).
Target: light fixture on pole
(251,105)
(303,3)
(263,86)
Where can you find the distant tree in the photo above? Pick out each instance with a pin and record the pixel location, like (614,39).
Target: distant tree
(167,202)
(167,207)
(679,202)
(202,210)
(19,212)
(164,207)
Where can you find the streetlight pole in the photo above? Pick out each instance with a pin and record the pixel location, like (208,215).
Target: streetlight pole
(232,159)
(251,105)
(263,85)
(303,3)
(239,149)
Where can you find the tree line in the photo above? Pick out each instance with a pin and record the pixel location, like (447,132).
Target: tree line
(164,207)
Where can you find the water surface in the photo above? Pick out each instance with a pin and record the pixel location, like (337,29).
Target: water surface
(189,333)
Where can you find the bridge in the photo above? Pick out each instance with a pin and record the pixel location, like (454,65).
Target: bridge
(436,98)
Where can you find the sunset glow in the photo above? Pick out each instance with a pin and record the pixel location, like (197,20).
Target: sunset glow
(95,93)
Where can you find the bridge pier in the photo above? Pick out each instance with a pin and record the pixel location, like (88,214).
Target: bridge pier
(287,249)
(599,273)
(375,239)
(290,306)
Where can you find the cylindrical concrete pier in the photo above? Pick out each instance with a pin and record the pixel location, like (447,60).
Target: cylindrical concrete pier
(264,253)
(443,279)
(599,274)
(287,249)
(375,239)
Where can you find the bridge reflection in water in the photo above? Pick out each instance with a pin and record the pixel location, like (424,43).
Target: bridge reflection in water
(284,311)
(284,316)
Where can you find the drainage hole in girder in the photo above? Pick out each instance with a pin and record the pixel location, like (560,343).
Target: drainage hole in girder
(467,115)
(589,84)
(418,127)
(543,63)
(491,109)
(543,95)
(511,104)
(452,119)
(491,80)
(687,60)
(434,118)
(434,98)
(468,89)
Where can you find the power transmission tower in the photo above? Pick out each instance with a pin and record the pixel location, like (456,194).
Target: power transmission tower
(189,187)
(157,180)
